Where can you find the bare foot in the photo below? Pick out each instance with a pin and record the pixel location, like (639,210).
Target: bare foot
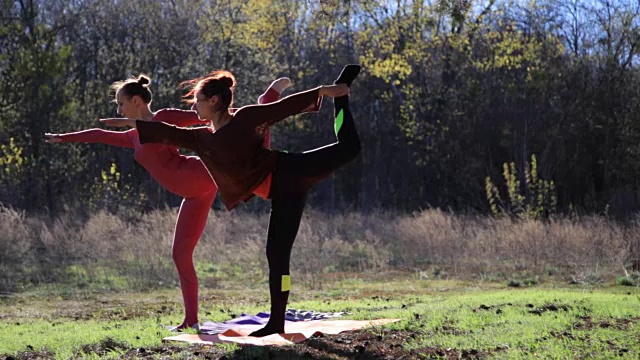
(280,84)
(184,326)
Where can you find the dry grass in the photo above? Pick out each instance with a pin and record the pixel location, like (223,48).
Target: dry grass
(118,252)
(468,246)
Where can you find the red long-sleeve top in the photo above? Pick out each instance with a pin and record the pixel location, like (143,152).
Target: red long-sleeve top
(183,175)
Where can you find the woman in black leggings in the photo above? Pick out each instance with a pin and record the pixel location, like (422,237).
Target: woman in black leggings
(241,167)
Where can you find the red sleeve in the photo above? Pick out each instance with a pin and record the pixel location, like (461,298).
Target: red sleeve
(178,117)
(101,136)
(269,96)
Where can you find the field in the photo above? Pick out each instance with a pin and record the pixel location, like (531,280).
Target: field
(103,285)
(442,319)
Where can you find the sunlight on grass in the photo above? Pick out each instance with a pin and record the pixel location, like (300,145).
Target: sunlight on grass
(65,337)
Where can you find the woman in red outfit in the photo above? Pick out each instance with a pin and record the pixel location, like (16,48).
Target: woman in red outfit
(241,166)
(169,168)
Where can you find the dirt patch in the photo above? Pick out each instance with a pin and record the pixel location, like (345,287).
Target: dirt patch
(448,328)
(562,335)
(548,307)
(387,345)
(587,323)
(361,344)
(566,334)
(613,346)
(497,307)
(176,351)
(30,355)
(102,348)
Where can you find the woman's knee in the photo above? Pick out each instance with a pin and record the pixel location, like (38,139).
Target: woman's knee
(273,256)
(182,251)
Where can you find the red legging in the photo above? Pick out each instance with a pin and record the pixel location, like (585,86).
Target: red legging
(192,218)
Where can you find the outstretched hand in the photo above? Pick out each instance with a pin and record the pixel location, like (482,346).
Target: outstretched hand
(52,138)
(118,122)
(334,90)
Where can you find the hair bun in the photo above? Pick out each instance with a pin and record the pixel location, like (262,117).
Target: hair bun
(224,76)
(228,81)
(143,80)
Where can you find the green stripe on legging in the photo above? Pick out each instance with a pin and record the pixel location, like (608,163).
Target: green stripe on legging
(339,121)
(285,283)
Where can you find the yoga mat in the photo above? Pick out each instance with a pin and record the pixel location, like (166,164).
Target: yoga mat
(296,332)
(292,315)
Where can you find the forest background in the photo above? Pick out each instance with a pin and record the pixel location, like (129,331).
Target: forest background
(500,113)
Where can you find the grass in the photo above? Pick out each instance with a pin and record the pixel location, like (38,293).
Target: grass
(545,320)
(465,287)
(116,252)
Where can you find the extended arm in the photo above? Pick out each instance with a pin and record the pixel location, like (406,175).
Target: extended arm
(298,103)
(178,117)
(269,114)
(162,133)
(100,136)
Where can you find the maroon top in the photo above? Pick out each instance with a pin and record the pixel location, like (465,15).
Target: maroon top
(234,154)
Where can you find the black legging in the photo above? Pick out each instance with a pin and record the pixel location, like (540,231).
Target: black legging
(294,175)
